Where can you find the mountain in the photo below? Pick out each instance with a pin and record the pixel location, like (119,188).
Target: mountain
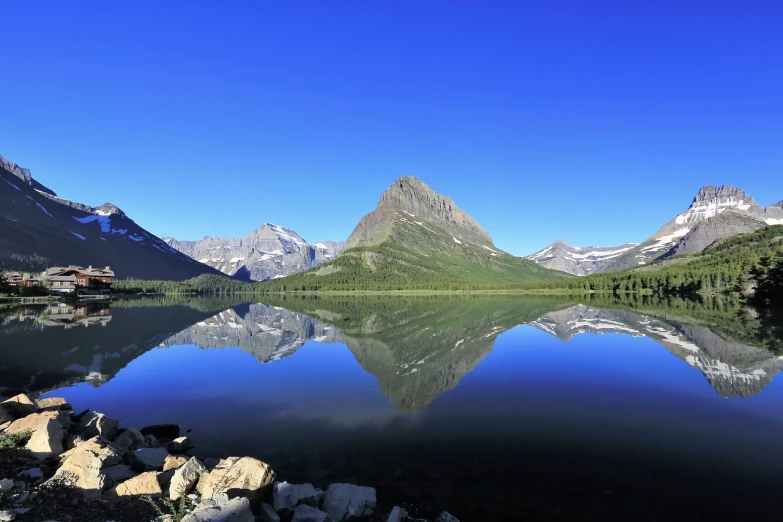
(417,238)
(268,252)
(579,261)
(37,228)
(715,213)
(732,368)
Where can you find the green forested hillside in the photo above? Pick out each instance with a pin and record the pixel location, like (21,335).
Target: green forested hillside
(737,264)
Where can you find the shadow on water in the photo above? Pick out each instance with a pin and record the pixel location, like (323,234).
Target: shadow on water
(462,409)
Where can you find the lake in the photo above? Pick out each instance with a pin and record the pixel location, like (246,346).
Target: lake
(495,409)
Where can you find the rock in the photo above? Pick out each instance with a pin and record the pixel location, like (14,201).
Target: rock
(241,475)
(144,484)
(86,464)
(287,496)
(20,406)
(446,517)
(185,478)
(162,431)
(173,462)
(179,445)
(346,501)
(71,441)
(119,473)
(151,441)
(221,509)
(5,418)
(148,459)
(7,516)
(268,514)
(47,430)
(53,404)
(94,424)
(32,474)
(306,513)
(6,484)
(397,515)
(130,439)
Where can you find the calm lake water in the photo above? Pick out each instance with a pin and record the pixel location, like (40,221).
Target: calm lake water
(502,409)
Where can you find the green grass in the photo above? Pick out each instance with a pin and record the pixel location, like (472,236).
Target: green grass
(10,441)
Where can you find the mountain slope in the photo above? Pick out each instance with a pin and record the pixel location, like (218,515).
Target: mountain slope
(709,203)
(417,239)
(37,228)
(268,252)
(579,261)
(726,224)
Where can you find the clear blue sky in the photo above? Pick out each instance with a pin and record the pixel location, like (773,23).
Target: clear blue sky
(589,121)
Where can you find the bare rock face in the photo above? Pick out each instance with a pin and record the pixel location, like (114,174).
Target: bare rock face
(346,501)
(288,496)
(269,251)
(221,509)
(185,478)
(148,459)
(244,474)
(174,462)
(53,404)
(85,466)
(48,432)
(144,484)
(721,226)
(579,261)
(20,406)
(416,199)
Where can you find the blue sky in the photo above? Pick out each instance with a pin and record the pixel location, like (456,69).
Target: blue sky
(595,122)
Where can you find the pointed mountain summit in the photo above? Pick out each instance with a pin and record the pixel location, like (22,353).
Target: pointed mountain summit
(705,221)
(419,202)
(419,239)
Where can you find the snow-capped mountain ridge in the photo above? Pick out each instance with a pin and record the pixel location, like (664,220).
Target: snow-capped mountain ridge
(577,260)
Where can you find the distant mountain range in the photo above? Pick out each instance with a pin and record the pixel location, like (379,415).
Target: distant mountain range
(37,228)
(269,252)
(715,213)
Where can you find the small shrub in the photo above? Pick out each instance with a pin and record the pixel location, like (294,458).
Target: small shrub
(14,440)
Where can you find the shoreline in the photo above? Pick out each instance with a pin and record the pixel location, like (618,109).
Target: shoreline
(56,464)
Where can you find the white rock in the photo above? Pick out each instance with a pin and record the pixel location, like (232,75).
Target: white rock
(185,477)
(220,509)
(84,466)
(146,484)
(47,430)
(6,484)
(130,440)
(309,514)
(20,406)
(241,473)
(179,445)
(345,501)
(287,496)
(148,459)
(397,515)
(94,423)
(268,514)
(7,516)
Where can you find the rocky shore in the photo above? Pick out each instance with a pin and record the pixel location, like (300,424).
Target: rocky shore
(60,466)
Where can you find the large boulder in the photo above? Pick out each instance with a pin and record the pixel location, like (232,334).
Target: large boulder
(144,484)
(130,440)
(238,476)
(179,445)
(287,496)
(221,509)
(185,478)
(5,418)
(52,404)
(85,466)
(48,432)
(148,459)
(306,513)
(119,473)
(162,431)
(446,517)
(346,501)
(174,461)
(268,514)
(20,406)
(94,424)
(397,515)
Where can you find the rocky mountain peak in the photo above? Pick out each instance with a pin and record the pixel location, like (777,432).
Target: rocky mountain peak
(411,195)
(724,193)
(24,174)
(108,209)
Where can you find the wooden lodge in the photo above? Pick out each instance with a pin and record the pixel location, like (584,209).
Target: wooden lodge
(78,280)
